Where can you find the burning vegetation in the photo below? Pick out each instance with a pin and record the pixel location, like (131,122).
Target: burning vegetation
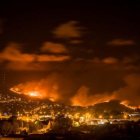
(37,90)
(55,89)
(81,98)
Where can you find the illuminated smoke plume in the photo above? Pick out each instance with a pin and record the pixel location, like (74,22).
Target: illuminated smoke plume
(129,95)
(84,98)
(56,89)
(43,89)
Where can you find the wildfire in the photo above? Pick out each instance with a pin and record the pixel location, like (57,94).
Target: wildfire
(49,89)
(34,94)
(82,98)
(37,90)
(125,103)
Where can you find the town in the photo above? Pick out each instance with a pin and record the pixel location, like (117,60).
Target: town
(24,117)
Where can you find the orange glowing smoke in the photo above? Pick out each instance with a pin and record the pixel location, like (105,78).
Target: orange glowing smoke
(53,88)
(41,90)
(83,98)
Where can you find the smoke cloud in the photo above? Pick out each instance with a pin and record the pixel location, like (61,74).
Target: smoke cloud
(14,57)
(59,89)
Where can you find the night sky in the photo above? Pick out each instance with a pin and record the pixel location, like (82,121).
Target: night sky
(90,52)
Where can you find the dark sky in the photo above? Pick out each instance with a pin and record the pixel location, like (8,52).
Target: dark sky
(92,49)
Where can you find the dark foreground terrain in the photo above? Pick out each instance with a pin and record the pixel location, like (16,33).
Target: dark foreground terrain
(117,131)
(103,132)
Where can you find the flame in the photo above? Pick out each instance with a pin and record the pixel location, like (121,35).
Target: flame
(34,94)
(38,90)
(49,88)
(126,103)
